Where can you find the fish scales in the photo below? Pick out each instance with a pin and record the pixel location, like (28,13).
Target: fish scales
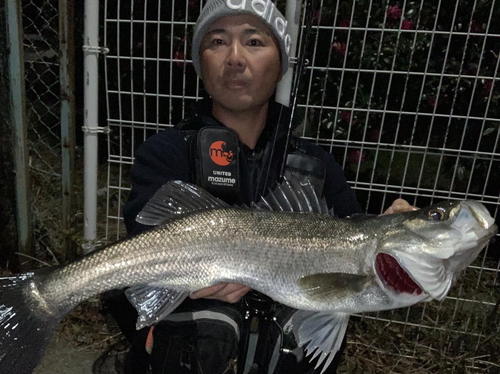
(210,247)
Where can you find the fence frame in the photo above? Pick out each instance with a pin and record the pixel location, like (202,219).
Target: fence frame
(91,120)
(19,125)
(67,98)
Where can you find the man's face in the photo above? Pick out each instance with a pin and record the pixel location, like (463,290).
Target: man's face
(240,62)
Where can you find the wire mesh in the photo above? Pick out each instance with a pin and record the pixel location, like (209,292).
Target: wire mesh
(404,94)
(149,82)
(41,52)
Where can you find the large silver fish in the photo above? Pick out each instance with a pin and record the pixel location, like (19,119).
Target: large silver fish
(325,267)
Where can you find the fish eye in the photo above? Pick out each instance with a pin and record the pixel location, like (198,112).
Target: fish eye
(436,215)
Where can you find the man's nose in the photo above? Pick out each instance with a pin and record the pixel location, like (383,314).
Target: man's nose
(236,59)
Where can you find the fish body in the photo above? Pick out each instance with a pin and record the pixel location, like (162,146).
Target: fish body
(325,267)
(268,251)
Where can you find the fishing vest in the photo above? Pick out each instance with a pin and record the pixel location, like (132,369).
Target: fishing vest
(264,336)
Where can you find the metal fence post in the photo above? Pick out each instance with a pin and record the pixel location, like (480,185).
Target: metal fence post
(67,96)
(19,125)
(91,128)
(293,9)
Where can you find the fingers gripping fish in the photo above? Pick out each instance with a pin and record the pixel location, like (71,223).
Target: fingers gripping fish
(287,247)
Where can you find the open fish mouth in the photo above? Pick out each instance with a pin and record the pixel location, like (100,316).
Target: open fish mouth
(413,274)
(475,224)
(394,276)
(481,214)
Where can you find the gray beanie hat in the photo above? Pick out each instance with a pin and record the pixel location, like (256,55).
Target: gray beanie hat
(264,9)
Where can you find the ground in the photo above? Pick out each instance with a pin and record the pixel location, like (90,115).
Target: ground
(89,343)
(85,343)
(64,357)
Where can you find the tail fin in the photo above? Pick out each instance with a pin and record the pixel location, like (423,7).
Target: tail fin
(25,328)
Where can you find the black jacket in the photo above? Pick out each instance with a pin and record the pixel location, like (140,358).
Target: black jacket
(168,156)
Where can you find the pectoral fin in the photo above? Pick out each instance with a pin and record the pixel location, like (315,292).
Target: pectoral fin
(321,333)
(332,285)
(153,303)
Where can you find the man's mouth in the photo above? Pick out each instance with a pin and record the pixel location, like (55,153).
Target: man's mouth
(394,276)
(236,83)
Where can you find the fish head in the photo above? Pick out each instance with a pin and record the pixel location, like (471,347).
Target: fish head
(423,252)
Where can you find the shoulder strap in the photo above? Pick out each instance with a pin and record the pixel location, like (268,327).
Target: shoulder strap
(189,128)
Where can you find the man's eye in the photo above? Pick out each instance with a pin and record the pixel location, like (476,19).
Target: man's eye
(255,43)
(217,41)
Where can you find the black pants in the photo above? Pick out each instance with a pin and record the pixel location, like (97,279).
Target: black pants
(206,346)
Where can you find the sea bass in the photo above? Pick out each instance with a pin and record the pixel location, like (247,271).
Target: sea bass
(287,247)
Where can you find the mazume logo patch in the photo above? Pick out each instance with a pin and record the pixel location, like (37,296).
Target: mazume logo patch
(220,154)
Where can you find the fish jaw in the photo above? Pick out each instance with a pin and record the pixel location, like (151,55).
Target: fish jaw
(478,210)
(445,254)
(470,226)
(476,226)
(477,233)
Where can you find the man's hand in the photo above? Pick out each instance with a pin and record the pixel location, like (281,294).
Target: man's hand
(400,206)
(228,292)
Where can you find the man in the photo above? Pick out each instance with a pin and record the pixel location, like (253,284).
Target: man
(240,51)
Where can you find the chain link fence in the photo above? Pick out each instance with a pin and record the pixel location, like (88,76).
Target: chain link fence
(41,44)
(41,52)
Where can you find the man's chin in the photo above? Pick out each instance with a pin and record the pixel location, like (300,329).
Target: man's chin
(239,102)
(242,105)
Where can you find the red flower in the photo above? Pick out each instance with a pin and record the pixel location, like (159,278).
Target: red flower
(407,24)
(345,23)
(355,156)
(375,135)
(339,48)
(394,12)
(191,4)
(476,27)
(346,116)
(431,102)
(179,56)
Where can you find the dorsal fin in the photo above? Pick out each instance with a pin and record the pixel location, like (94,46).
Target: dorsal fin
(291,195)
(175,199)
